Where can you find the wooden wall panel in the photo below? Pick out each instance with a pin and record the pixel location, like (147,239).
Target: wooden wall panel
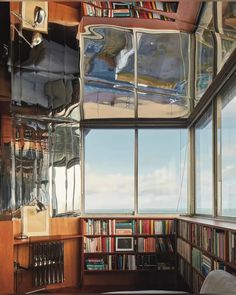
(6,257)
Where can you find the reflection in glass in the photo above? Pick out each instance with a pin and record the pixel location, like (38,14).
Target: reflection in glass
(163,68)
(102,100)
(227,98)
(65,168)
(204,164)
(31,162)
(108,64)
(204,52)
(109,171)
(45,78)
(204,62)
(162,173)
(227,28)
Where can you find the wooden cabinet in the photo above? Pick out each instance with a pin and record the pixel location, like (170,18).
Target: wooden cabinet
(16,267)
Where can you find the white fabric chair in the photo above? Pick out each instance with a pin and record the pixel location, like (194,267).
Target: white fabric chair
(219,282)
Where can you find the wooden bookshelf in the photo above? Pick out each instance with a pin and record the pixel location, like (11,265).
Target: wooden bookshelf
(209,244)
(146,256)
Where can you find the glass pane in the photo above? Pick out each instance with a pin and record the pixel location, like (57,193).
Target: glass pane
(226,24)
(204,62)
(227,97)
(162,68)
(108,66)
(162,180)
(204,164)
(65,168)
(102,100)
(109,171)
(204,51)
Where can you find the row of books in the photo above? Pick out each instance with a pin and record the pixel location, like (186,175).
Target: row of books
(185,270)
(196,234)
(159,245)
(201,262)
(127,227)
(137,9)
(183,248)
(232,247)
(101,244)
(197,281)
(206,241)
(95,264)
(184,230)
(109,227)
(147,261)
(156,227)
(219,248)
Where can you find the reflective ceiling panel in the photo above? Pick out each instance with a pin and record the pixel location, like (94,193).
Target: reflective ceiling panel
(162,74)
(108,68)
(104,100)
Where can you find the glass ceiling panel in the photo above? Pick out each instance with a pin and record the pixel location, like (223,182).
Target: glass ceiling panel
(108,68)
(112,66)
(163,70)
(103,100)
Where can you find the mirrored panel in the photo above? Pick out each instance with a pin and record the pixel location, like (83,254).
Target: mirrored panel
(162,67)
(104,100)
(204,58)
(204,164)
(109,171)
(30,147)
(45,77)
(161,104)
(65,176)
(162,170)
(108,68)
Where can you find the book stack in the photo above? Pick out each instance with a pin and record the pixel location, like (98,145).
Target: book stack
(126,262)
(219,265)
(164,245)
(101,244)
(95,264)
(196,259)
(206,238)
(96,227)
(184,230)
(124,227)
(206,265)
(196,234)
(219,244)
(232,247)
(183,248)
(185,270)
(146,245)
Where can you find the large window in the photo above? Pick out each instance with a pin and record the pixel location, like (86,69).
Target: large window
(227,139)
(204,164)
(162,181)
(109,171)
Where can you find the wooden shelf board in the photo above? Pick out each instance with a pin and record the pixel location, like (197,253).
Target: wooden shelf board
(135,236)
(127,270)
(46,239)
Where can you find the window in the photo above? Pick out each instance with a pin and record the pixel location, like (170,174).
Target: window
(204,164)
(227,136)
(162,155)
(109,171)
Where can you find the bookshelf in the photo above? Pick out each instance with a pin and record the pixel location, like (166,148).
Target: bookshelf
(129,247)
(204,245)
(162,14)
